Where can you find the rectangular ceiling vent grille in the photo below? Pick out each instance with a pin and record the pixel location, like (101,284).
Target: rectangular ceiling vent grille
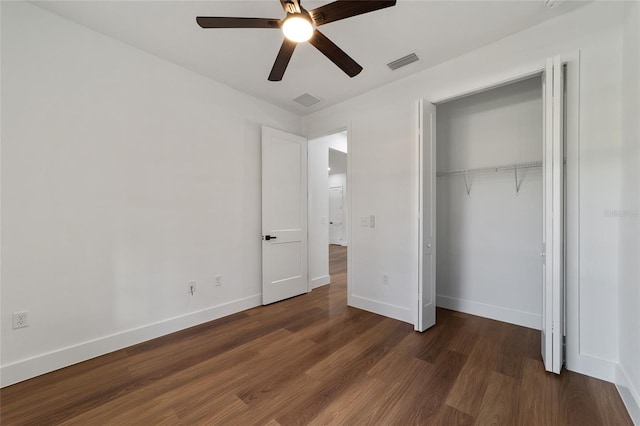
(307,100)
(405,60)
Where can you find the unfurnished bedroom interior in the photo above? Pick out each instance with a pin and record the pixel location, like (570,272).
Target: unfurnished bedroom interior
(285,212)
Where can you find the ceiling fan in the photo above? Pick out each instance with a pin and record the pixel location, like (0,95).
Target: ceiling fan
(300,25)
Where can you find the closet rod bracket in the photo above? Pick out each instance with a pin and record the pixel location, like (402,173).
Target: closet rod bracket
(467,185)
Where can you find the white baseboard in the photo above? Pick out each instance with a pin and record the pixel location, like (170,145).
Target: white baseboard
(54,360)
(381,308)
(591,366)
(499,313)
(320,281)
(629,394)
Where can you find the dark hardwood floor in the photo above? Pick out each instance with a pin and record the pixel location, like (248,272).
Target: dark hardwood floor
(313,360)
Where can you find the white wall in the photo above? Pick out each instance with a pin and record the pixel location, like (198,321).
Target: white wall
(627,215)
(488,259)
(384,170)
(123,178)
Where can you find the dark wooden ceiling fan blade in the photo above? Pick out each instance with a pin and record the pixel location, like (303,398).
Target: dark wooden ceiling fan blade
(291,6)
(225,22)
(341,9)
(282,60)
(335,54)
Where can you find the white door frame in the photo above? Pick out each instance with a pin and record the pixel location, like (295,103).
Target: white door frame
(574,360)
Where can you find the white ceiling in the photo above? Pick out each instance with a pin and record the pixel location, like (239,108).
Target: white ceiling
(242,58)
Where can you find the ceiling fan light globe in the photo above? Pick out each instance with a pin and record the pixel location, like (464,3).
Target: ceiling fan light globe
(297,29)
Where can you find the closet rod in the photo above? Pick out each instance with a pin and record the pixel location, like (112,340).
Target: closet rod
(501,168)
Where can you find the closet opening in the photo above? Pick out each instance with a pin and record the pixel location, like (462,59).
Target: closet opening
(492,198)
(489,203)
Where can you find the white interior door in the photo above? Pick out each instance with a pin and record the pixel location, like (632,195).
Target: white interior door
(336,215)
(553,217)
(426,315)
(284,215)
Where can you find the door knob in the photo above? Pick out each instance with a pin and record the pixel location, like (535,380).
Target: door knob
(269,237)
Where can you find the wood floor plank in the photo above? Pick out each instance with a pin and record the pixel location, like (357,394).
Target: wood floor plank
(395,365)
(441,336)
(610,407)
(540,401)
(449,416)
(387,332)
(414,407)
(500,402)
(314,360)
(578,405)
(295,393)
(221,410)
(468,390)
(337,374)
(511,355)
(463,342)
(356,402)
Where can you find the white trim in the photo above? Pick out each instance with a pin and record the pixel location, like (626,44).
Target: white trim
(495,81)
(499,313)
(592,366)
(320,281)
(629,394)
(349,216)
(399,313)
(40,364)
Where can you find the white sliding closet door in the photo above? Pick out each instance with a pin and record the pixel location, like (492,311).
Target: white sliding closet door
(553,217)
(426,315)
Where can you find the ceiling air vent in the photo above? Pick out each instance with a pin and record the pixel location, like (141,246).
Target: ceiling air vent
(307,100)
(405,60)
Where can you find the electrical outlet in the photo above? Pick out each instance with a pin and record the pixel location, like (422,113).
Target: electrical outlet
(20,319)
(191,288)
(385,279)
(218,280)
(364,221)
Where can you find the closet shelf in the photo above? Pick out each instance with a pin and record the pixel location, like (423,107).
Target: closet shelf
(502,168)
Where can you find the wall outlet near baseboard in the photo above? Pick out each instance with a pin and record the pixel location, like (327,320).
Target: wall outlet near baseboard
(21,319)
(385,279)
(218,281)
